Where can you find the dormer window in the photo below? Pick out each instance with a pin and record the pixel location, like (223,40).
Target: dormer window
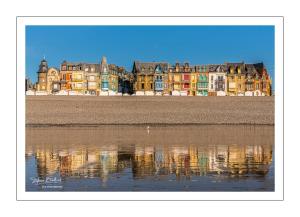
(158,69)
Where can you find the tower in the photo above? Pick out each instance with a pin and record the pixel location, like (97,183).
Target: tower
(42,76)
(104,72)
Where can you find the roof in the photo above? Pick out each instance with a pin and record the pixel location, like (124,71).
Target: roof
(149,67)
(217,68)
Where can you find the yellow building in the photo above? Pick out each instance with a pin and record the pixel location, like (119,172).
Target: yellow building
(236,79)
(53,80)
(144,76)
(193,82)
(78,79)
(257,80)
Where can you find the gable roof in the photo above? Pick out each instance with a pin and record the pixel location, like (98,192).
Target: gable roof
(149,67)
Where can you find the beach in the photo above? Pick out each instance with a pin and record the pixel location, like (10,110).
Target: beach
(141,110)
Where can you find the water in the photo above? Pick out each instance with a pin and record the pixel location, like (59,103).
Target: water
(154,158)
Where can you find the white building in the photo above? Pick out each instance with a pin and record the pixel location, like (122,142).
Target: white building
(217,83)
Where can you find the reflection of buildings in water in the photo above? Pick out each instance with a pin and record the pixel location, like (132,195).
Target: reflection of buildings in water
(77,163)
(145,161)
(181,159)
(47,162)
(108,163)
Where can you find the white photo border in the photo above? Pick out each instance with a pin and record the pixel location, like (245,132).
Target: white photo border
(276,21)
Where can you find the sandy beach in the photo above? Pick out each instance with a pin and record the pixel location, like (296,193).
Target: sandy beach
(85,110)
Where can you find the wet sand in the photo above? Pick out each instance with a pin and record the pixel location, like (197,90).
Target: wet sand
(62,137)
(94,111)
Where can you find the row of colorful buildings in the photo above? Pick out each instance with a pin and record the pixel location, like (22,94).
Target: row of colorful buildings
(153,78)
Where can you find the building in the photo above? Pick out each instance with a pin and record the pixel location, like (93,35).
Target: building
(174,78)
(125,81)
(66,70)
(113,78)
(92,75)
(144,79)
(193,81)
(53,80)
(266,83)
(104,75)
(236,73)
(185,71)
(217,84)
(202,80)
(78,80)
(42,76)
(28,84)
(158,80)
(257,80)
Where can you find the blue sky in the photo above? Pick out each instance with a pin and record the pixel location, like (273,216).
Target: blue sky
(124,44)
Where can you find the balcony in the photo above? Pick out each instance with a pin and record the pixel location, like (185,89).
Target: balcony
(77,79)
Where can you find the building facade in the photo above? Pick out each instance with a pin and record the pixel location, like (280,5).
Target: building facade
(104,75)
(236,73)
(217,84)
(144,77)
(42,76)
(92,74)
(202,80)
(153,78)
(113,78)
(53,80)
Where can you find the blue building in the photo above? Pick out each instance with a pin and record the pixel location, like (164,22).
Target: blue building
(158,79)
(104,73)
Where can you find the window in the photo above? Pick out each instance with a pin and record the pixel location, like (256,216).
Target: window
(186,85)
(212,78)
(151,85)
(142,86)
(186,77)
(211,86)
